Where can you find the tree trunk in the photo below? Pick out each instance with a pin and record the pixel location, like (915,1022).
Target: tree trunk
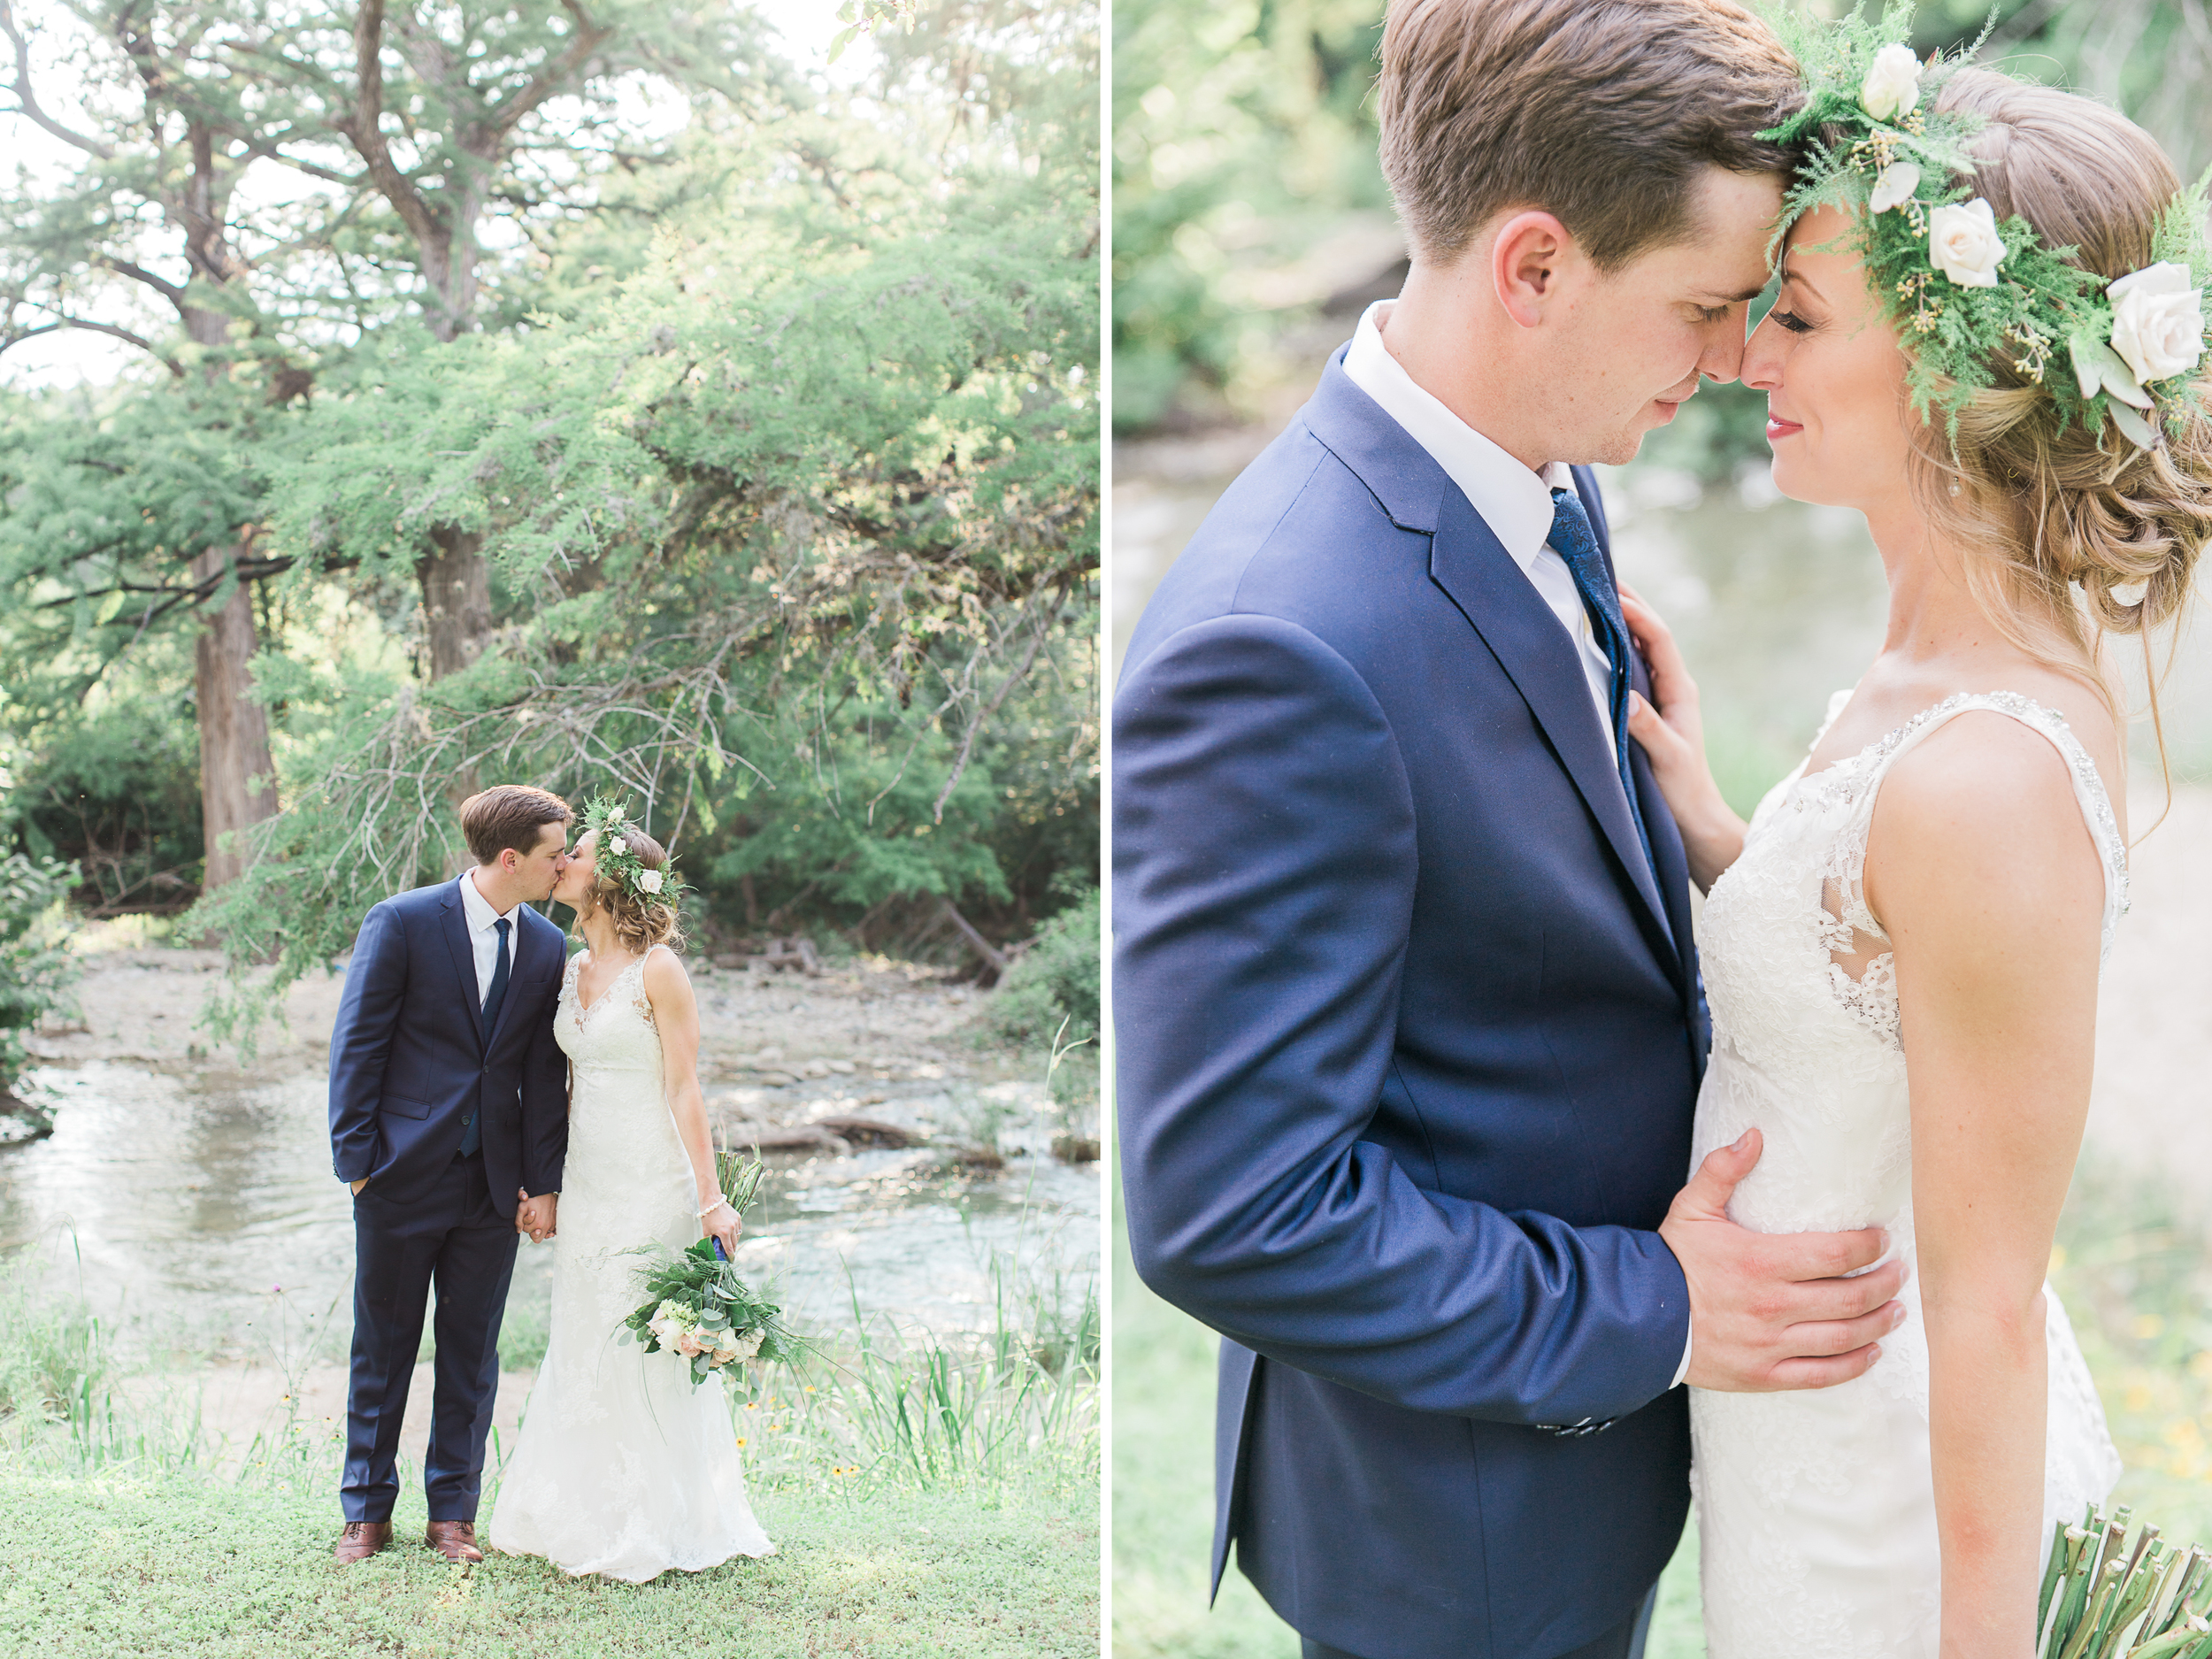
(233,730)
(456,599)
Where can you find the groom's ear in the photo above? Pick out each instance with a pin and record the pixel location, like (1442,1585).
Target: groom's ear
(1528,257)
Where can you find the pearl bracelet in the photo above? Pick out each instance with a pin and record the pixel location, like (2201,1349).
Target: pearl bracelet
(712,1208)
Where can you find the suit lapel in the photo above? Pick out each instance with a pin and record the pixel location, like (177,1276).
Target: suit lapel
(1473,568)
(456,939)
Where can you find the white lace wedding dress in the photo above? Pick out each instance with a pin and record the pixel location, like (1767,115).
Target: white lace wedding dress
(1816,1511)
(622,1468)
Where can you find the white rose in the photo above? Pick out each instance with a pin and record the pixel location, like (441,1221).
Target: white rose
(1893,85)
(1895,187)
(748,1345)
(1964,244)
(648,880)
(2157,321)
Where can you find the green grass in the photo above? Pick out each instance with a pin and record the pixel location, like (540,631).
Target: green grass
(928,1496)
(162,1563)
(2136,1284)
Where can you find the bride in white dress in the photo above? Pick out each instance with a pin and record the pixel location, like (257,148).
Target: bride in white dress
(622,1467)
(1901,950)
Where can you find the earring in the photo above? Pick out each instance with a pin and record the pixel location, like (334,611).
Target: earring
(1955,487)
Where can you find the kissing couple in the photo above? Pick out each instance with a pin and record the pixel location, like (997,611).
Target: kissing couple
(1516,1188)
(484,1084)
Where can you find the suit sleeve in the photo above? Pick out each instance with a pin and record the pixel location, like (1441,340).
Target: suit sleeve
(1264,868)
(376,982)
(544,1112)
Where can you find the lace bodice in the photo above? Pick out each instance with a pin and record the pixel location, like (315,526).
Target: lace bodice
(1816,1510)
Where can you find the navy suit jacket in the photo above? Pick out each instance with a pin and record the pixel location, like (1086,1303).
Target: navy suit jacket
(409,1057)
(1407,1041)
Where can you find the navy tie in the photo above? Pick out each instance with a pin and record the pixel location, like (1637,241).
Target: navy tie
(1576,544)
(471,1130)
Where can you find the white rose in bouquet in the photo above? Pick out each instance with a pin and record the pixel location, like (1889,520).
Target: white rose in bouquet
(1892,86)
(1964,243)
(2157,321)
(748,1344)
(667,1322)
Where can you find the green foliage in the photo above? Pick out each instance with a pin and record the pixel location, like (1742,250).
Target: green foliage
(1237,128)
(795,518)
(1052,992)
(2044,311)
(36,969)
(116,792)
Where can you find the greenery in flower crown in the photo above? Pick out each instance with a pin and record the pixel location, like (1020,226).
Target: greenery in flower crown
(1874,146)
(609,816)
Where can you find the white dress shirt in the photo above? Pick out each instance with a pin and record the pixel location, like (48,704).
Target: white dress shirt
(1515,502)
(484,937)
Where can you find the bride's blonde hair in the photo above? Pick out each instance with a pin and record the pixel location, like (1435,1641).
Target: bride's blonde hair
(639,922)
(2069,536)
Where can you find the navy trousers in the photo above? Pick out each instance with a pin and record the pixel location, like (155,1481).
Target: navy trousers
(1626,1642)
(452,1235)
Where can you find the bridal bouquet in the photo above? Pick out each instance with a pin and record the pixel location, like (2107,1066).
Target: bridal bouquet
(2105,1600)
(697,1307)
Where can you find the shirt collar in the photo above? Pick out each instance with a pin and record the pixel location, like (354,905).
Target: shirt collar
(1514,501)
(475,906)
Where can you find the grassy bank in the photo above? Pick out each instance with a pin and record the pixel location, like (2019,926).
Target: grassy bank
(928,1496)
(2138,1286)
(146,1562)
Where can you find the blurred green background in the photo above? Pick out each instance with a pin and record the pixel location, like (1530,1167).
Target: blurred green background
(1251,227)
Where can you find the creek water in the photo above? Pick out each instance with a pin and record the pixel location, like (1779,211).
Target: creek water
(195,1207)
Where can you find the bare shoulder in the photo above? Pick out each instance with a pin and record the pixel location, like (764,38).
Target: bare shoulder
(1981,818)
(665,979)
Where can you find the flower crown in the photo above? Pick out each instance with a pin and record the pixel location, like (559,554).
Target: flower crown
(605,814)
(1967,292)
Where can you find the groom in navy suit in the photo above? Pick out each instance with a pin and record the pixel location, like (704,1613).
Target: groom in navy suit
(1409,1023)
(448,1118)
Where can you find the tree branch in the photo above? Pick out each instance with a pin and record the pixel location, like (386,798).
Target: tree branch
(17,336)
(590,37)
(361,126)
(28,101)
(168,290)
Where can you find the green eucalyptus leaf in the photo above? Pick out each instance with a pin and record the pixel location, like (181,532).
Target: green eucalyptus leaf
(2138,431)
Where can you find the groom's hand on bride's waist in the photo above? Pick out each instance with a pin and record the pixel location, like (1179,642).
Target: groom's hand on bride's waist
(1776,1311)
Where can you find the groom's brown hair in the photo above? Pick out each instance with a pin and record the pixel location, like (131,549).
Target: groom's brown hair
(509,815)
(1603,112)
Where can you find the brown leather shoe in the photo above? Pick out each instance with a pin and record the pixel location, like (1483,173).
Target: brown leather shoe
(360,1540)
(456,1540)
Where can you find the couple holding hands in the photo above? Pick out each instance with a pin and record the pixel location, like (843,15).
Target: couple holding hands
(481,1079)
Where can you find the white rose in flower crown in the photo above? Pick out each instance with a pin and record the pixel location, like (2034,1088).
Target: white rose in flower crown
(1895,187)
(1964,243)
(2157,321)
(1893,85)
(648,880)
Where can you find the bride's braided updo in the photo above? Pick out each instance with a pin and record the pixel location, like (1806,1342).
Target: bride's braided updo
(2042,513)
